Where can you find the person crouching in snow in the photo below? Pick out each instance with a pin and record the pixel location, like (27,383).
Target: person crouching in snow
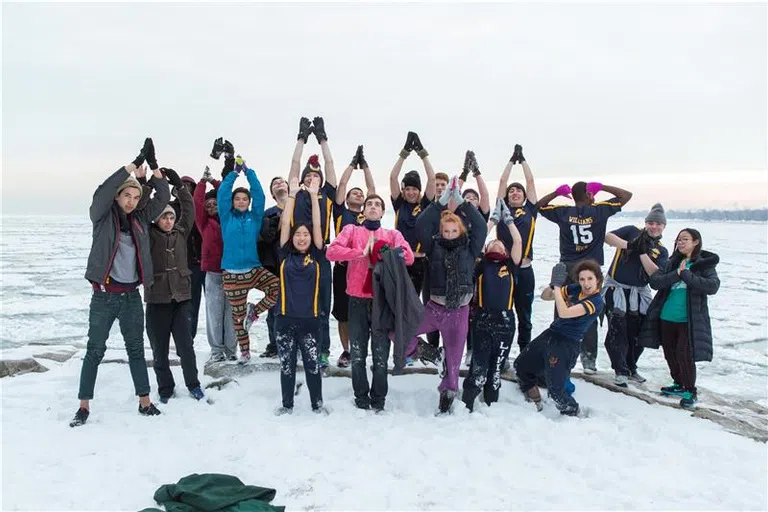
(554,352)
(354,245)
(119,261)
(493,326)
(240,229)
(169,299)
(452,253)
(298,323)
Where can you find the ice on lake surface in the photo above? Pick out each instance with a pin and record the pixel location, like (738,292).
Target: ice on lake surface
(45,297)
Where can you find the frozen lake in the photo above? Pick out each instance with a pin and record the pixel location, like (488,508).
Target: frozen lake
(45,297)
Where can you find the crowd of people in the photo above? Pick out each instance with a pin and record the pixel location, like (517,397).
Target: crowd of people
(435,274)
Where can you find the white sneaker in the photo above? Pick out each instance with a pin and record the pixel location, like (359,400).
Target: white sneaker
(621,380)
(636,377)
(250,316)
(468,358)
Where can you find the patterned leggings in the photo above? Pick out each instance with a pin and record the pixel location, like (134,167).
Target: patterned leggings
(236,288)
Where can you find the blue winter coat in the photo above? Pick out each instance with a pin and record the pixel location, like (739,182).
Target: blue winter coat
(240,230)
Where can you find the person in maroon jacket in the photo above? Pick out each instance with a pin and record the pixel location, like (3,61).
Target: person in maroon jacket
(220,328)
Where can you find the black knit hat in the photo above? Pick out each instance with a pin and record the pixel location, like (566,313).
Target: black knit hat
(412,179)
(211,194)
(313,165)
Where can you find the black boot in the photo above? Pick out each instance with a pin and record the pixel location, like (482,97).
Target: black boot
(149,410)
(81,416)
(446,400)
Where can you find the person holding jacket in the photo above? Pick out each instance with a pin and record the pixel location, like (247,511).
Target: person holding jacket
(554,352)
(219,325)
(678,316)
(493,322)
(298,324)
(452,253)
(240,260)
(118,263)
(169,299)
(353,245)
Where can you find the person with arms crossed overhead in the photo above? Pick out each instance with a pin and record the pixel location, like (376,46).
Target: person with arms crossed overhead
(118,263)
(582,234)
(639,254)
(344,215)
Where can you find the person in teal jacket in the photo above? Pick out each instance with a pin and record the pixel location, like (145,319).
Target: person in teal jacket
(242,270)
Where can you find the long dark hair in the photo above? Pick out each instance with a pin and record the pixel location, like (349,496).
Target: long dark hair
(696,236)
(293,232)
(591,265)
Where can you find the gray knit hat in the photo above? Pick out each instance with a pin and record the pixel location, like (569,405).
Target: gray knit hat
(130,182)
(168,209)
(656,214)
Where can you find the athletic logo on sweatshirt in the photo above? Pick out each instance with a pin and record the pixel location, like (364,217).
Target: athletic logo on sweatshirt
(503,271)
(307,260)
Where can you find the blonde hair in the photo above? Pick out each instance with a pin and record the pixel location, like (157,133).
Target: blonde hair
(449,216)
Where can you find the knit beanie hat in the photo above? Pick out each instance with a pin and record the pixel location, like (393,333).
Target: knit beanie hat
(211,194)
(412,179)
(130,182)
(168,209)
(656,214)
(469,191)
(313,165)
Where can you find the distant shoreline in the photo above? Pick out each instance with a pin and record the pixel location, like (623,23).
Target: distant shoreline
(750,215)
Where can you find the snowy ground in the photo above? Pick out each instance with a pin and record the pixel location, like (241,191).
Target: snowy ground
(626,455)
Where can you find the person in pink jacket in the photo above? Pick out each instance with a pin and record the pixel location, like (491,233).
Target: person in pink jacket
(354,245)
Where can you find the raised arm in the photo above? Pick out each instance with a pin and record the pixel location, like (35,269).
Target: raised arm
(157,204)
(257,195)
(370,185)
(530,184)
(318,126)
(188,210)
(341,188)
(317,225)
(431,189)
(428,224)
(622,195)
(224,197)
(287,215)
(501,193)
(544,201)
(106,192)
(201,218)
(479,230)
(516,253)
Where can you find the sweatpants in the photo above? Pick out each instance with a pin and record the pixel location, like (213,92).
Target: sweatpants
(678,353)
(104,309)
(492,336)
(162,321)
(360,332)
(452,325)
(219,325)
(525,285)
(237,286)
(296,334)
(326,291)
(197,280)
(554,356)
(621,340)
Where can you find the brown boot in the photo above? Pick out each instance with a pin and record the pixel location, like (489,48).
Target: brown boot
(533,395)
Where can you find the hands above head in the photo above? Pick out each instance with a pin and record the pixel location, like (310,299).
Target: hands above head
(408,146)
(517,155)
(240,164)
(498,212)
(361,157)
(149,153)
(593,187)
(473,167)
(564,190)
(206,175)
(418,146)
(318,127)
(172,176)
(304,129)
(466,167)
(293,187)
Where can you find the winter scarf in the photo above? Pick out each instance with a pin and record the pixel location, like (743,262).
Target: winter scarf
(375,256)
(372,225)
(452,288)
(498,257)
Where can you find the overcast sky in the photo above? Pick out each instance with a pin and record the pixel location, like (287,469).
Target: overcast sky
(630,93)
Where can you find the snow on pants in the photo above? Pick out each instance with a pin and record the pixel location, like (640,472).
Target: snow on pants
(105,308)
(452,325)
(237,286)
(621,339)
(492,336)
(295,334)
(359,327)
(525,283)
(219,326)
(555,356)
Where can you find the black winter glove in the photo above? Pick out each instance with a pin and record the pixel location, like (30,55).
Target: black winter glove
(139,160)
(419,147)
(355,162)
(173,177)
(473,164)
(318,126)
(408,146)
(218,148)
(517,155)
(142,180)
(559,275)
(229,166)
(229,149)
(304,129)
(361,157)
(149,152)
(465,168)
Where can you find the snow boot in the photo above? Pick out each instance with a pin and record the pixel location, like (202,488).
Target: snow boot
(468,397)
(570,410)
(673,390)
(197,393)
(446,400)
(688,399)
(269,352)
(81,416)
(250,316)
(283,410)
(344,360)
(149,410)
(426,353)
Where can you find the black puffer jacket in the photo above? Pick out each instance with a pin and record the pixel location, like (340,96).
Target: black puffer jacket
(701,280)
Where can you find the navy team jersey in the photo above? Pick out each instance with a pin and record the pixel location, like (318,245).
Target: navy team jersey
(299,282)
(343,216)
(406,215)
(525,222)
(629,270)
(495,284)
(582,228)
(302,211)
(575,328)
